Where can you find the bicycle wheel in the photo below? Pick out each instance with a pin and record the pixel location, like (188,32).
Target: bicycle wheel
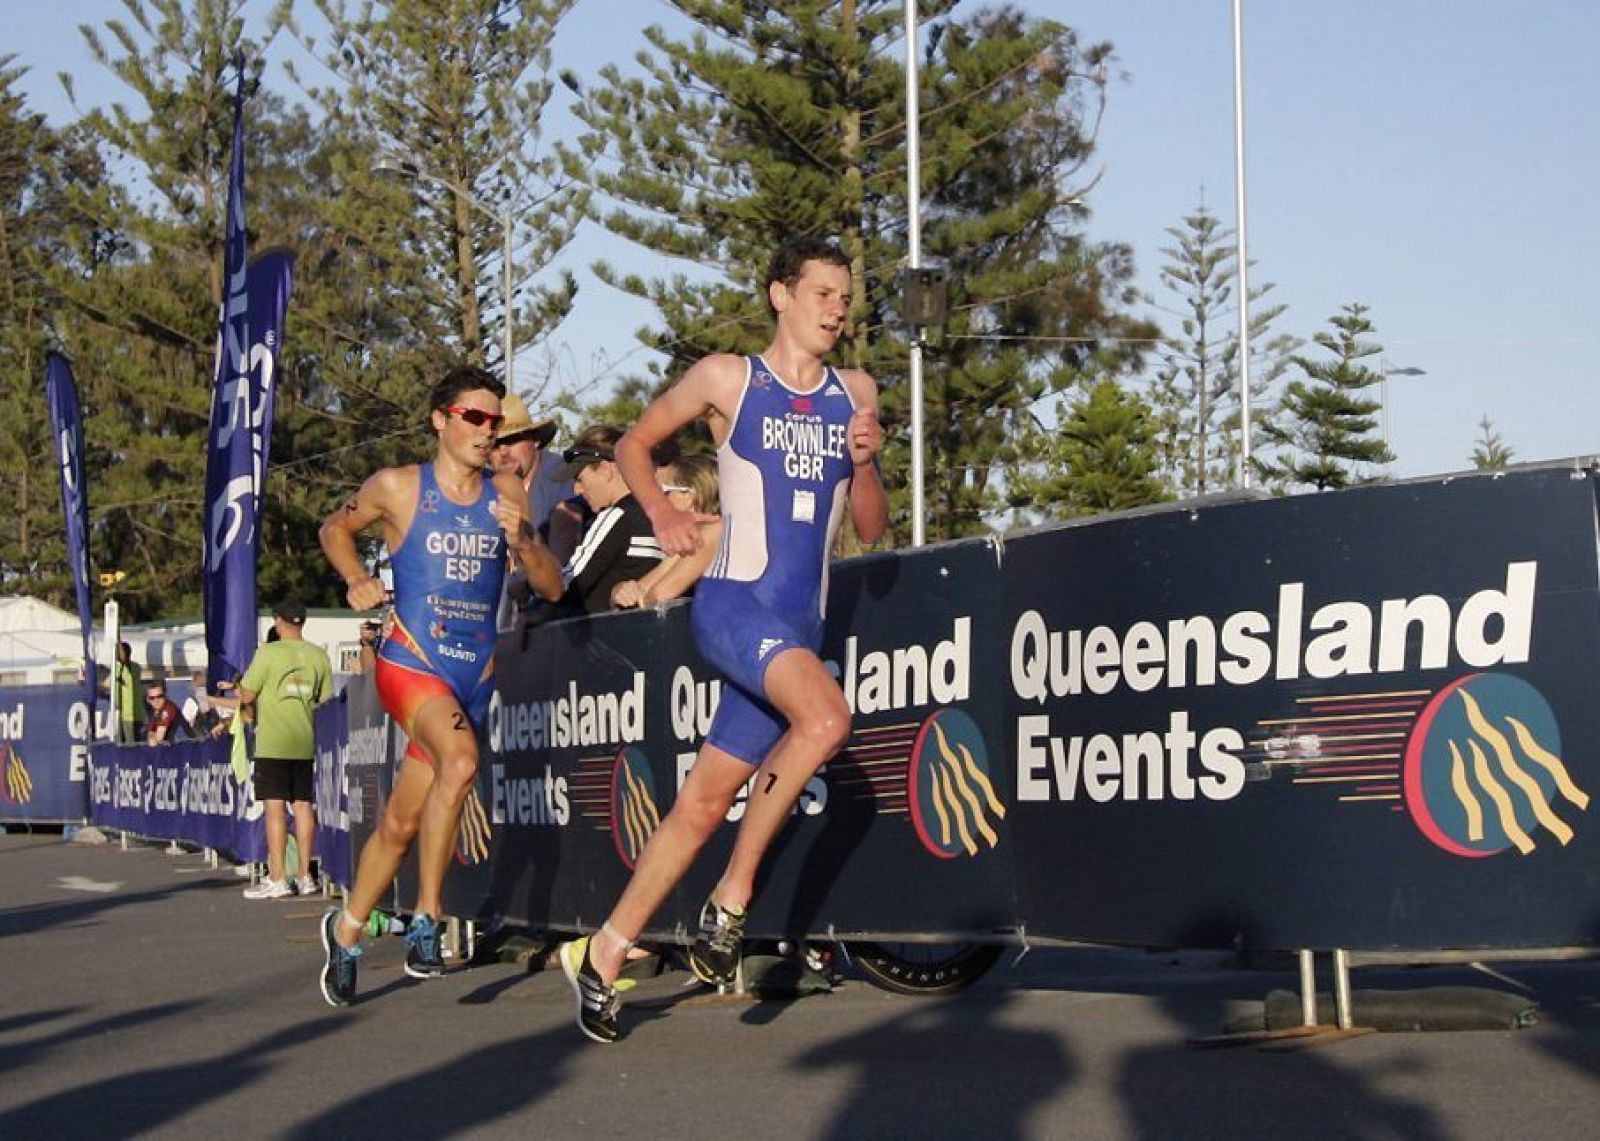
(923,968)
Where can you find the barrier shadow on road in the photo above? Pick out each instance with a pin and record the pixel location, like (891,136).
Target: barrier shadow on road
(922,1074)
(141,1102)
(31,919)
(14,1056)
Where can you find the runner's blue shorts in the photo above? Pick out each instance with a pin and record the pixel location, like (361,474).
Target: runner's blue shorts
(741,636)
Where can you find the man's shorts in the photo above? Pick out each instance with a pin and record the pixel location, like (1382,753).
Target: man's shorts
(403,691)
(741,637)
(277,779)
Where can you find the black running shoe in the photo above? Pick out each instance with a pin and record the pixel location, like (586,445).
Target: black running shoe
(423,957)
(339,967)
(597,1002)
(714,958)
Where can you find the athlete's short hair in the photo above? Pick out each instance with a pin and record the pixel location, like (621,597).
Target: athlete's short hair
(463,378)
(790,260)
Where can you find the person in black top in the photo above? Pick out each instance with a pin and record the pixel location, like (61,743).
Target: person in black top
(619,543)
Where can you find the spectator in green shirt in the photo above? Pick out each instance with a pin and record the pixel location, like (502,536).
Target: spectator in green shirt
(130,725)
(285,681)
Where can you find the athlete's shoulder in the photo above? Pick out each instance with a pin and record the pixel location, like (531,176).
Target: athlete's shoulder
(863,389)
(717,369)
(393,482)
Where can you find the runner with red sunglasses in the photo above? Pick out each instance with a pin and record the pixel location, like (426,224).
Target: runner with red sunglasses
(449,527)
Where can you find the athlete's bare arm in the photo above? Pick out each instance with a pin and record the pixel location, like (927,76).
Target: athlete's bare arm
(511,509)
(869,503)
(706,390)
(386,498)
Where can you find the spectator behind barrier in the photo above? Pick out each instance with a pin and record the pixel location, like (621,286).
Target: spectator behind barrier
(690,483)
(619,543)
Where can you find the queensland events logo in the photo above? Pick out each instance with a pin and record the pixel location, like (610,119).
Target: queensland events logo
(1483,769)
(954,807)
(635,814)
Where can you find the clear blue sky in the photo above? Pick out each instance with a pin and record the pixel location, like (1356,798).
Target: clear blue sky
(1435,162)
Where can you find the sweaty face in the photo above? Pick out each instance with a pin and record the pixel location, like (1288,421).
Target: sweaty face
(472,444)
(815,310)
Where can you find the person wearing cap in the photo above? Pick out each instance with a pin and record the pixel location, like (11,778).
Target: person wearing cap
(285,680)
(618,544)
(521,447)
(797,443)
(450,524)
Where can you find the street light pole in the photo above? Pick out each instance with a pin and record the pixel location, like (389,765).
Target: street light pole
(1384,373)
(389,164)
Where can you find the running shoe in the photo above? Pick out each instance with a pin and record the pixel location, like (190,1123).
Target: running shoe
(339,968)
(307,886)
(714,958)
(269,889)
(424,960)
(597,1002)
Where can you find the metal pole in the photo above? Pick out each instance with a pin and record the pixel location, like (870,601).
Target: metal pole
(505,296)
(1243,244)
(1308,988)
(914,261)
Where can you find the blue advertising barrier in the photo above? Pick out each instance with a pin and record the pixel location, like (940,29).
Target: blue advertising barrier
(1367,719)
(332,791)
(44,750)
(186,791)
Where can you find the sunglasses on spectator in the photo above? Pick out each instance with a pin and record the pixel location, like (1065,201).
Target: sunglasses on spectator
(477,417)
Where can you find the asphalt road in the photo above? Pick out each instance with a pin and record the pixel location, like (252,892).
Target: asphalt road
(141,996)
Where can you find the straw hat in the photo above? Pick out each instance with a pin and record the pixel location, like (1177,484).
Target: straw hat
(519,424)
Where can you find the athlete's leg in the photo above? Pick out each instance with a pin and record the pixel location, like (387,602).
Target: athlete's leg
(386,847)
(699,810)
(800,687)
(444,732)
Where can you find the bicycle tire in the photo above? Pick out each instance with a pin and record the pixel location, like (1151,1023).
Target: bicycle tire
(923,968)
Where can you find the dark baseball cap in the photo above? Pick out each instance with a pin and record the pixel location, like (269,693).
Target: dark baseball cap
(292,611)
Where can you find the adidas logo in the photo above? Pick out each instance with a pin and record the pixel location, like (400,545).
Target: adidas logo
(766,647)
(833,389)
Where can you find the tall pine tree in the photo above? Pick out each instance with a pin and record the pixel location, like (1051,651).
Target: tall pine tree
(1326,433)
(1196,387)
(779,120)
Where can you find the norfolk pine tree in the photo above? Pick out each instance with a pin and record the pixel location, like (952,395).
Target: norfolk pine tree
(1196,388)
(34,217)
(1325,430)
(774,121)
(1490,452)
(453,94)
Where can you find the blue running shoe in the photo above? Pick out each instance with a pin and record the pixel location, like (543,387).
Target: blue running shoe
(339,969)
(424,960)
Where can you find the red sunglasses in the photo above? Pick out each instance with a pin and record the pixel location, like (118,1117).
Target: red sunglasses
(477,417)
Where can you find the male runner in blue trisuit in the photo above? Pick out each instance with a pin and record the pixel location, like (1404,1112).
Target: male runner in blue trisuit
(449,527)
(796,443)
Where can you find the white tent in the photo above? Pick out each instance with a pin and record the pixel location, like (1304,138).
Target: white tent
(39,643)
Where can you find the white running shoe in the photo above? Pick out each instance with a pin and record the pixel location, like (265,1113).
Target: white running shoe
(308,886)
(269,889)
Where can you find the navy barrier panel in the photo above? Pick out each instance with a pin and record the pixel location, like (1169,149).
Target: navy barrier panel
(368,767)
(1363,720)
(596,723)
(44,751)
(332,724)
(185,791)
